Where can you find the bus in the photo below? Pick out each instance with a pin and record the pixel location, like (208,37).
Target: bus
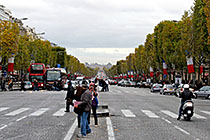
(37,71)
(55,75)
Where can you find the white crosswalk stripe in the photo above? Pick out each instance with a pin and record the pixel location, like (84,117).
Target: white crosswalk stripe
(150,114)
(128,113)
(60,112)
(199,116)
(39,112)
(16,112)
(206,112)
(169,113)
(3,108)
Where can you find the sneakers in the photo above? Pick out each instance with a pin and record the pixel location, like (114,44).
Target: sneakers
(88,132)
(179,118)
(66,111)
(81,136)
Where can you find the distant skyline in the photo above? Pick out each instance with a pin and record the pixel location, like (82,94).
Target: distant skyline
(81,25)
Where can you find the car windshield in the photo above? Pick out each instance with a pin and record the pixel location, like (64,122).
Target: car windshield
(169,86)
(53,75)
(39,78)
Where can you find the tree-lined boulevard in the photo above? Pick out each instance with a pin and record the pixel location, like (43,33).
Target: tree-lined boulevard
(135,113)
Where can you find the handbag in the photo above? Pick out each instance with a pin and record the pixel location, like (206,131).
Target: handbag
(79,109)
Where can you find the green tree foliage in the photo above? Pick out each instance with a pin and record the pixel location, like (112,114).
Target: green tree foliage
(9,37)
(22,58)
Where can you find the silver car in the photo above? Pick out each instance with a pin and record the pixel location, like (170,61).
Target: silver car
(167,88)
(156,87)
(203,92)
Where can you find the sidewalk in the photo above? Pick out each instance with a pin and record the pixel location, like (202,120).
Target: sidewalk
(97,132)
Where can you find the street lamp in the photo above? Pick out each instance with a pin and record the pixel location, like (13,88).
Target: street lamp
(40,33)
(23,19)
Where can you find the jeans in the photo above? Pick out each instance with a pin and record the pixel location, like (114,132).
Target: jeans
(84,124)
(36,88)
(180,108)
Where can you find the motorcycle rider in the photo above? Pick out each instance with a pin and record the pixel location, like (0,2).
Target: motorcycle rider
(185,95)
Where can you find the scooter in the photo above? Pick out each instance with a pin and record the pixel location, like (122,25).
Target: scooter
(188,110)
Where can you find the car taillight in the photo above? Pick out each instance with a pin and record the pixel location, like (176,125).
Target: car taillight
(165,88)
(154,86)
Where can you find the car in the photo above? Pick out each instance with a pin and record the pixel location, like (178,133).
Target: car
(139,84)
(167,88)
(132,84)
(74,84)
(113,82)
(126,83)
(27,85)
(203,92)
(156,87)
(120,83)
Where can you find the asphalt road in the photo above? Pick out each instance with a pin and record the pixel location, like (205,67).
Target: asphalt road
(135,114)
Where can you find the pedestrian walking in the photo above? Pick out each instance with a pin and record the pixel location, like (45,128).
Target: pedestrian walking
(22,85)
(107,85)
(3,87)
(86,103)
(36,85)
(10,84)
(69,96)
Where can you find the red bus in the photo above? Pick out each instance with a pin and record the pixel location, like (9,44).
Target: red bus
(37,71)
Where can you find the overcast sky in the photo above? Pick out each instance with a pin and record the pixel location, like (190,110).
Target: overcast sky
(99,31)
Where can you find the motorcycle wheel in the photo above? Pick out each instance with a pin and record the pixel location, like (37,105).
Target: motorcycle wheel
(188,118)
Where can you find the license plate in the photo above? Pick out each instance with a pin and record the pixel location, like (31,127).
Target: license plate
(189,112)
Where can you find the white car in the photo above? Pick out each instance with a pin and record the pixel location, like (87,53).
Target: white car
(27,85)
(156,87)
(167,88)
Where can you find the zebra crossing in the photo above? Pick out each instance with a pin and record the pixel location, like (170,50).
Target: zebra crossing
(9,112)
(31,112)
(170,114)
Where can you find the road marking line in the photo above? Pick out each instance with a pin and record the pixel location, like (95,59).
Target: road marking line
(3,108)
(110,129)
(3,127)
(16,112)
(128,113)
(169,113)
(71,131)
(199,116)
(182,130)
(39,112)
(206,112)
(21,118)
(150,114)
(60,112)
(166,120)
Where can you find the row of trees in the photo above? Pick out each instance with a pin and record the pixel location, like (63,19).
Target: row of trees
(26,50)
(173,41)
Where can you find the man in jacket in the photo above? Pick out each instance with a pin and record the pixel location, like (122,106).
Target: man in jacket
(186,95)
(86,103)
(69,96)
